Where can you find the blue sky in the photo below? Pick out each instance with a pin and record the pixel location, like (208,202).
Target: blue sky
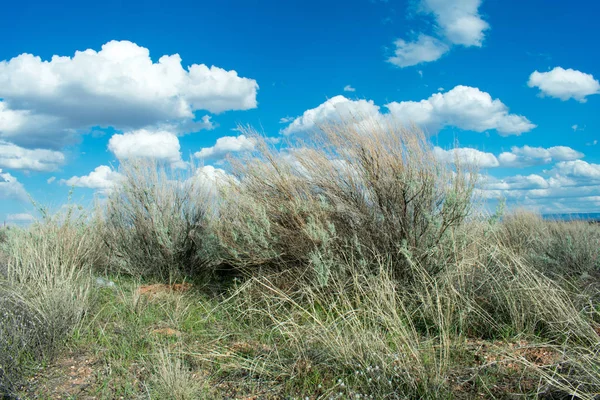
(85,83)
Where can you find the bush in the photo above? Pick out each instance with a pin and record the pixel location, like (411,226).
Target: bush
(352,191)
(45,290)
(154,222)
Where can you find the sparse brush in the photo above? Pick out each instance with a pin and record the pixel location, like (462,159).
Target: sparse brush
(154,222)
(563,249)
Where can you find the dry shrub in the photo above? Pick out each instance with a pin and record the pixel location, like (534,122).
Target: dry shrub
(350,191)
(45,290)
(154,221)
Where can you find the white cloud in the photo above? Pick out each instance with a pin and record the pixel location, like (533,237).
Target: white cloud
(467,156)
(51,179)
(532,181)
(11,188)
(15,157)
(160,145)
(22,217)
(570,186)
(349,88)
(565,84)
(425,49)
(528,156)
(464,107)
(459,20)
(457,23)
(102,178)
(525,156)
(47,102)
(226,145)
(577,169)
(334,109)
(285,120)
(209,177)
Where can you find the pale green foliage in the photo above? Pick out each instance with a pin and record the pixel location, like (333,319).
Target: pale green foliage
(154,221)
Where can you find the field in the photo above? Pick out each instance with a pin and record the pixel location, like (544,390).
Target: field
(351,265)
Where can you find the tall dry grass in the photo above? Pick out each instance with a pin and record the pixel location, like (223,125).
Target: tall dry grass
(44,290)
(562,248)
(377,337)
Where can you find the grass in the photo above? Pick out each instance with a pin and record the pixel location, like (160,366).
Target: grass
(370,281)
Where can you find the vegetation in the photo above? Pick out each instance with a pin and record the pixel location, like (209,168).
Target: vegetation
(349,264)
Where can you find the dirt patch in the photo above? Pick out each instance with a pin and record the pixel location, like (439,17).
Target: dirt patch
(167,332)
(161,288)
(68,377)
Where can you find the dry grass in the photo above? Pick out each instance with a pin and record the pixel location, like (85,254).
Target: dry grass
(171,379)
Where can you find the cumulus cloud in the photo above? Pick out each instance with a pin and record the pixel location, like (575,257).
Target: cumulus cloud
(457,22)
(425,49)
(467,156)
(577,169)
(572,186)
(102,178)
(15,157)
(464,107)
(532,181)
(11,188)
(334,109)
(527,156)
(48,101)
(160,145)
(209,177)
(565,84)
(226,144)
(349,88)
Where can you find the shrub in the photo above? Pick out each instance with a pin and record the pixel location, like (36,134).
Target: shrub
(349,191)
(44,293)
(154,222)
